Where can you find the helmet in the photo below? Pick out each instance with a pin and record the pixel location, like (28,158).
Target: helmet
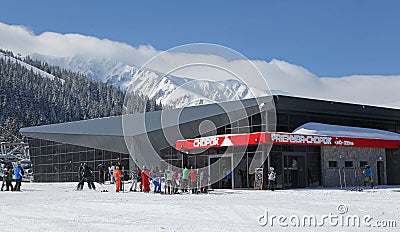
(271,168)
(116,167)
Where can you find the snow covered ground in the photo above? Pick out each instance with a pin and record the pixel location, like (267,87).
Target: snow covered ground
(57,207)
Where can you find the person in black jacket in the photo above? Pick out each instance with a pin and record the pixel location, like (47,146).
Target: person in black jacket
(8,175)
(80,178)
(87,175)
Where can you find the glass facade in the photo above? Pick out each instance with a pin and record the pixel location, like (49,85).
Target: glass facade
(57,162)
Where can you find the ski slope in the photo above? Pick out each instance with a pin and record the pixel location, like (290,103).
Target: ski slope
(29,67)
(57,207)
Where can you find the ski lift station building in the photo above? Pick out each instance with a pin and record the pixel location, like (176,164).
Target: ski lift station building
(309,142)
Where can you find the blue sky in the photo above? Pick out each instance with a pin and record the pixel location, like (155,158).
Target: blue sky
(330,38)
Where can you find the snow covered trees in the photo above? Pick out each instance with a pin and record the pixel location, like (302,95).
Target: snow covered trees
(28,98)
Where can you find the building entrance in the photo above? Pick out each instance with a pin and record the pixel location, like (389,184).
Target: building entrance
(381,172)
(294,170)
(221,172)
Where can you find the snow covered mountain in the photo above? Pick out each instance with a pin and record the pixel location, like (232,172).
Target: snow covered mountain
(177,91)
(170,90)
(101,69)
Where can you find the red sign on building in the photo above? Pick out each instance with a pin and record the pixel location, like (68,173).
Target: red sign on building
(281,138)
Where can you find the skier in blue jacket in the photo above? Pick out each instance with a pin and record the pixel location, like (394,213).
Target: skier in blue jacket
(18,173)
(157,184)
(368,176)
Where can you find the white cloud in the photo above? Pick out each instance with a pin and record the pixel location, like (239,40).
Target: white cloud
(21,40)
(294,79)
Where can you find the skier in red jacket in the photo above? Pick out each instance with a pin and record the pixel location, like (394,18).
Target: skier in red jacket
(193,178)
(145,179)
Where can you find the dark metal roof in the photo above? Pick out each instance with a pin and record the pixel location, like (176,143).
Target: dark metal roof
(108,133)
(306,105)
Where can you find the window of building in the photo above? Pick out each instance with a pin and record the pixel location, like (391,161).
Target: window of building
(363,163)
(256,120)
(348,164)
(283,119)
(332,164)
(221,130)
(256,129)
(228,129)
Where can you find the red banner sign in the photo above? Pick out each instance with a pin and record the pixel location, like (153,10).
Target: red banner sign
(282,139)
(223,141)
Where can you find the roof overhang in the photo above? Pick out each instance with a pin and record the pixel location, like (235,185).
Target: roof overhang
(112,133)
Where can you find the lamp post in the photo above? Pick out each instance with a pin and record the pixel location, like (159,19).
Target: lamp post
(264,128)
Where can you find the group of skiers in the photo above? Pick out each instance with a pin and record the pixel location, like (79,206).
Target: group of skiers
(12,173)
(86,174)
(174,180)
